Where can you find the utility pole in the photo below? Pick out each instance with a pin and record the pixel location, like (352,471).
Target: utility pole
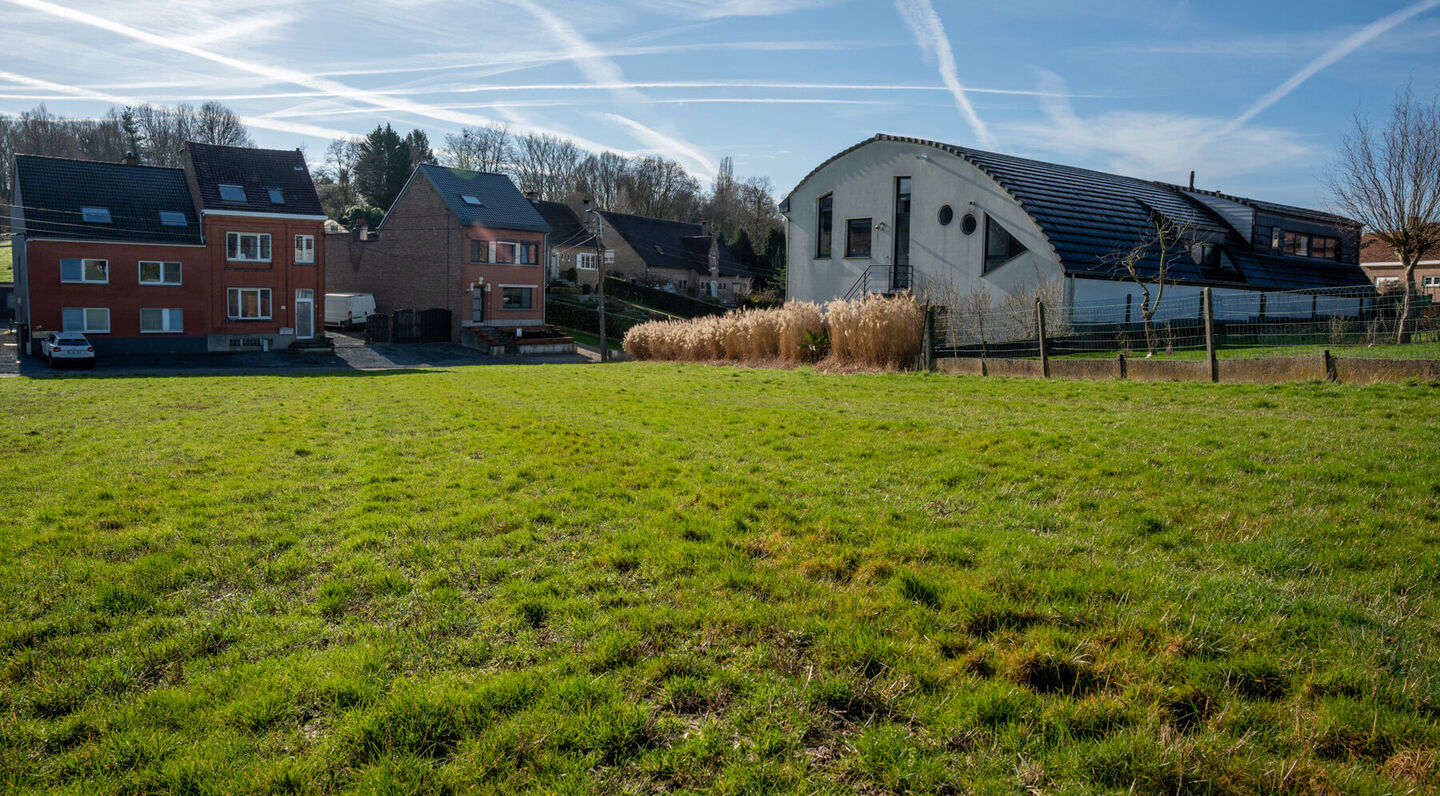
(600,266)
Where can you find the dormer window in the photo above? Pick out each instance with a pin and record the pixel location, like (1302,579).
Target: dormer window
(276,196)
(95,215)
(232,193)
(474,201)
(171,218)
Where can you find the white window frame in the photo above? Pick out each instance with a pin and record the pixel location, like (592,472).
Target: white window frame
(85,320)
(514,252)
(165,320)
(237,237)
(179,272)
(531,288)
(82,280)
(592,258)
(302,255)
(1432,280)
(239,303)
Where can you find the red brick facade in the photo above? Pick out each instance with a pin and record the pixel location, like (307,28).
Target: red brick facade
(282,275)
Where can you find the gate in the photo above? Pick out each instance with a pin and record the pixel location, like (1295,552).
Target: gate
(409,326)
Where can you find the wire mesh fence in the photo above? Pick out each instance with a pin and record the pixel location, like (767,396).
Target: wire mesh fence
(1349,322)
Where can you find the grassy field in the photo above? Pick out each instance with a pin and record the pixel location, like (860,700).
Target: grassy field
(1416,350)
(7,267)
(651,577)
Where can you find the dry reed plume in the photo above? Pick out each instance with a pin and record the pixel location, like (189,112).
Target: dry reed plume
(873,332)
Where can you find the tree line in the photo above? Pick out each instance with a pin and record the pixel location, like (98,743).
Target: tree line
(154,133)
(361,177)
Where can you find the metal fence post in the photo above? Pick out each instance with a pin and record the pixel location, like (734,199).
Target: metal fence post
(1040,325)
(1209,305)
(929,354)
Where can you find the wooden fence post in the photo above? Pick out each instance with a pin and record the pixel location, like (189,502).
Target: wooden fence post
(929,353)
(1040,327)
(1209,304)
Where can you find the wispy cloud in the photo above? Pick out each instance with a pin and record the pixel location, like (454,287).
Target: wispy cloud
(718,9)
(276,73)
(1150,145)
(1350,44)
(693,157)
(929,33)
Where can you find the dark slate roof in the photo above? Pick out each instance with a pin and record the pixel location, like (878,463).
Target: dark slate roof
(502,206)
(257,171)
(671,244)
(566,228)
(53,190)
(1089,215)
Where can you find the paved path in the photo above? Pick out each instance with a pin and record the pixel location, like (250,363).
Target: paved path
(351,354)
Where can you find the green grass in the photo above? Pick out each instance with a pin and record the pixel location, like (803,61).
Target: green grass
(611,341)
(1417,350)
(7,267)
(650,577)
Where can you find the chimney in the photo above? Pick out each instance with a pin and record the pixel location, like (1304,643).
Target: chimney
(704,228)
(1192,179)
(586,205)
(360,229)
(130,159)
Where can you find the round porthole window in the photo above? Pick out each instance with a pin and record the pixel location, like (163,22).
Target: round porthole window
(967,224)
(947,214)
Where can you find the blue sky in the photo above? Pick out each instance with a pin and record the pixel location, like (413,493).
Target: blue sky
(1252,95)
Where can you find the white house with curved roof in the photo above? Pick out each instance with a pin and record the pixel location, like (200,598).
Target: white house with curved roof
(903,214)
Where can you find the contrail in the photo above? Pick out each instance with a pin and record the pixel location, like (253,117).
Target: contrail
(1351,43)
(929,33)
(278,73)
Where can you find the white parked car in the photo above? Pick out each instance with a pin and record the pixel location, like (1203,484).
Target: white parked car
(348,310)
(67,347)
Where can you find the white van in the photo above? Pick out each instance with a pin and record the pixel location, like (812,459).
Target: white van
(348,310)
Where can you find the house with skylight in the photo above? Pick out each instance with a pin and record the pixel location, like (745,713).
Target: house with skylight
(220,255)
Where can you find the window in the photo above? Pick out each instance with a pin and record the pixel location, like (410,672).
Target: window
(277,197)
(248,303)
(968,224)
(947,214)
(825,226)
(474,201)
(95,215)
(1000,246)
(1297,244)
(91,320)
(857,237)
(232,193)
(1430,281)
(91,271)
(479,251)
(505,252)
(1324,247)
(165,321)
(587,262)
(247,247)
(158,273)
(1384,282)
(171,218)
(304,248)
(902,221)
(1277,239)
(515,298)
(529,253)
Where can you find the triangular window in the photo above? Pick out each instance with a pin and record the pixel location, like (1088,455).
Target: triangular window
(1000,246)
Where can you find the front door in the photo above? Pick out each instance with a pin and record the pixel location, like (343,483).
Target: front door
(304,314)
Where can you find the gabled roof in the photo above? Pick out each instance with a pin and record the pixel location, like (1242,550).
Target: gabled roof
(257,172)
(1374,250)
(671,244)
(1089,215)
(52,192)
(500,203)
(566,229)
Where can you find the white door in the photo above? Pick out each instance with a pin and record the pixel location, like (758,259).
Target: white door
(304,314)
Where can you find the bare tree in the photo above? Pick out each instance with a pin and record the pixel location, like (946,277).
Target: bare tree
(1148,262)
(547,165)
(602,179)
(1389,181)
(487,148)
(661,188)
(214,123)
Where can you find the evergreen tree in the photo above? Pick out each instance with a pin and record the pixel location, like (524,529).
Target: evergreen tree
(383,166)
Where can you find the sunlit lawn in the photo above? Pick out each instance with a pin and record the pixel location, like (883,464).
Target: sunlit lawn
(651,577)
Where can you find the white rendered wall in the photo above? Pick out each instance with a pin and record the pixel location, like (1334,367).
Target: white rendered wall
(944,258)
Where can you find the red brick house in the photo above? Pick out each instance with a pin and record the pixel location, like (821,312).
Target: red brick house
(464,241)
(263,228)
(113,250)
(1384,268)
